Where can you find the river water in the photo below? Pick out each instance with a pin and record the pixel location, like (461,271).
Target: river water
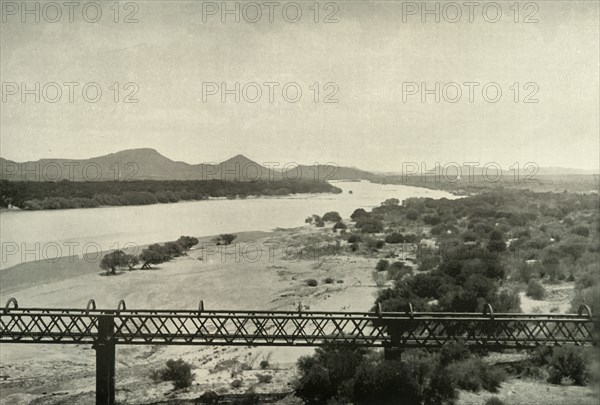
(36,235)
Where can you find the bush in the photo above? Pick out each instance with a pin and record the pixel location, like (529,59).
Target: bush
(328,280)
(397,270)
(473,375)
(340,225)
(311,282)
(412,214)
(332,216)
(358,214)
(177,371)
(568,362)
(264,364)
(581,231)
(236,383)
(454,351)
(494,401)
(394,237)
(264,378)
(325,371)
(354,239)
(382,265)
(535,290)
(369,225)
(341,374)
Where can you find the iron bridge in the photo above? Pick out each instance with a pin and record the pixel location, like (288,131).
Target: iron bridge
(393,331)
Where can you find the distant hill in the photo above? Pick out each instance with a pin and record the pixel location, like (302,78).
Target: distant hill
(148,164)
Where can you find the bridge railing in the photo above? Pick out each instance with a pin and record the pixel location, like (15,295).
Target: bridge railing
(292,328)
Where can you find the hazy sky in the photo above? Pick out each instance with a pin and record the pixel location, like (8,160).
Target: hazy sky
(370,54)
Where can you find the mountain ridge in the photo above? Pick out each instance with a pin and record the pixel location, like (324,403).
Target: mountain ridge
(149,164)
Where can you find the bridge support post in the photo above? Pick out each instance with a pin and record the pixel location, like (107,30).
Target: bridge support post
(105,361)
(394,350)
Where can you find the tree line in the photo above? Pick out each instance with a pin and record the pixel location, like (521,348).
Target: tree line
(152,255)
(65,194)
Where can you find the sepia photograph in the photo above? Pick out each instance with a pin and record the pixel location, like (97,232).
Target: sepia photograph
(309,202)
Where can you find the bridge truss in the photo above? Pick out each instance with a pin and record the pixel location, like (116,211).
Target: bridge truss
(106,328)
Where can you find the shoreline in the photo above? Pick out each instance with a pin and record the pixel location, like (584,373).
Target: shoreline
(454,193)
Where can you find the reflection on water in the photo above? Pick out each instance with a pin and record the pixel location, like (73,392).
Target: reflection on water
(35,235)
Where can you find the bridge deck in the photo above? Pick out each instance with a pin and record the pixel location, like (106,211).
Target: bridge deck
(292,328)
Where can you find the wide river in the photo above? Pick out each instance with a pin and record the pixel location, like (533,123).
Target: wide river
(36,235)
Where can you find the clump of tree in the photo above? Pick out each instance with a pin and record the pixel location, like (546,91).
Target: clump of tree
(369,225)
(118,260)
(152,255)
(359,213)
(343,373)
(332,216)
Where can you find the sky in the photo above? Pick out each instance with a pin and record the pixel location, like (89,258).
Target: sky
(373,58)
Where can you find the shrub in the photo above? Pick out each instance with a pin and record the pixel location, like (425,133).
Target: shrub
(379,244)
(264,378)
(494,401)
(264,364)
(226,239)
(354,239)
(369,225)
(358,214)
(397,270)
(418,380)
(177,371)
(328,280)
(473,375)
(535,290)
(394,237)
(454,351)
(382,265)
(568,362)
(236,383)
(332,216)
(340,225)
(342,374)
(412,214)
(581,231)
(325,371)
(311,282)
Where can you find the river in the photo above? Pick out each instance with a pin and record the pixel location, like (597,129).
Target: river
(36,235)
